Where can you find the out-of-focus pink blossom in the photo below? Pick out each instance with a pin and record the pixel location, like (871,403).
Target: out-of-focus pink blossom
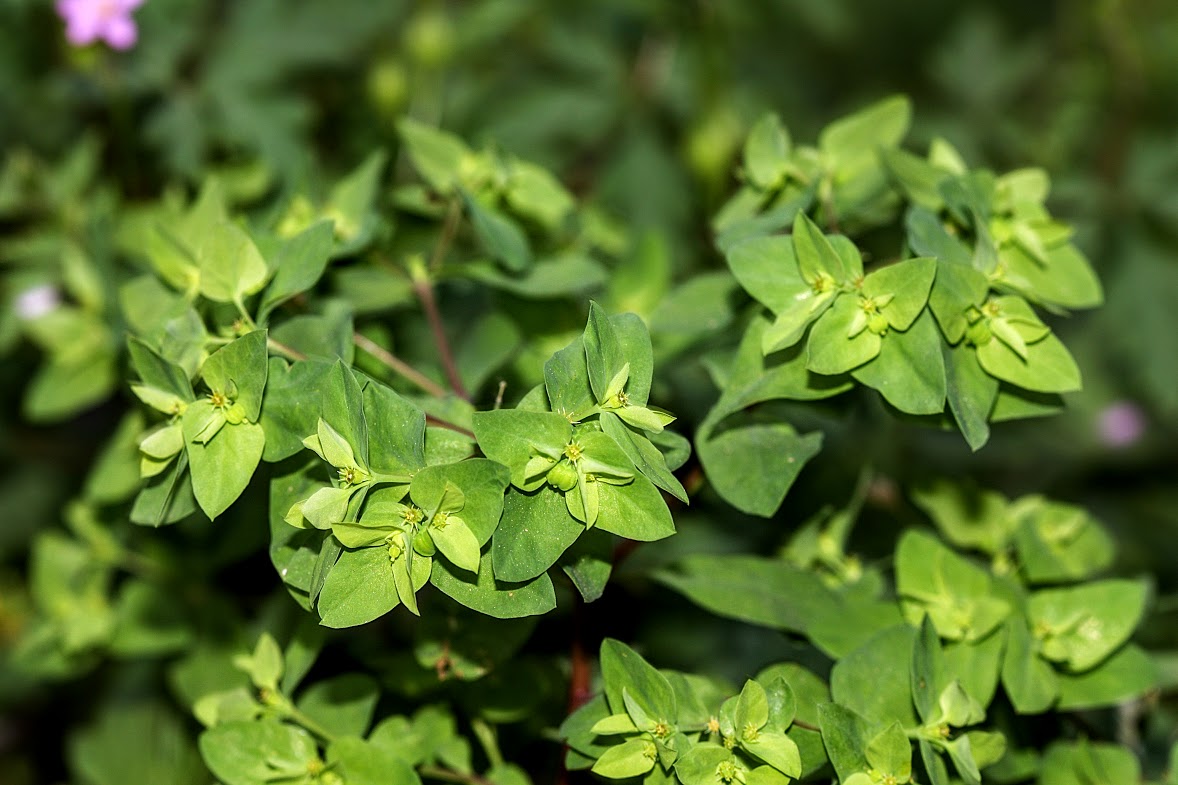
(36,302)
(87,21)
(1121,424)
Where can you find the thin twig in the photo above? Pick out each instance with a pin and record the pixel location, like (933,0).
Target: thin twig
(449,229)
(399,366)
(449,775)
(432,420)
(284,350)
(424,288)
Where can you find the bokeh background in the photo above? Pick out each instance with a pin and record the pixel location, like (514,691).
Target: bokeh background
(641,107)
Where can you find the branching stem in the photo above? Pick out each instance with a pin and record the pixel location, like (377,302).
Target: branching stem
(424,287)
(399,366)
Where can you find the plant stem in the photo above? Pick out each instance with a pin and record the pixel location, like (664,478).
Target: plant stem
(449,229)
(448,775)
(302,719)
(284,350)
(424,288)
(399,366)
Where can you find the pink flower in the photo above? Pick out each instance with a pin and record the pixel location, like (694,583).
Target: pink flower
(1121,424)
(87,21)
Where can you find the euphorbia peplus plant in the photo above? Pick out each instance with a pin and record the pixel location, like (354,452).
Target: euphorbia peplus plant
(414,480)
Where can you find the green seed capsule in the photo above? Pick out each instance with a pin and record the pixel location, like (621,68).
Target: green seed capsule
(563,476)
(423,543)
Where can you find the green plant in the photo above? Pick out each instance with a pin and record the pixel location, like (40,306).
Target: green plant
(434,382)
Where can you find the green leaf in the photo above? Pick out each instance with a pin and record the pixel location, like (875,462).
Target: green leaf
(853,141)
(635,511)
(98,753)
(956,289)
(934,764)
(816,257)
(927,670)
(752,707)
(147,623)
(647,458)
(364,763)
(753,465)
(1086,623)
(482,484)
(752,589)
(909,370)
(535,193)
(845,734)
(699,765)
(614,725)
(1065,280)
(566,274)
(629,759)
(1079,763)
(499,235)
(1029,681)
(987,748)
(1129,673)
(955,593)
(485,594)
(604,358)
(265,665)
(766,152)
(767,268)
(342,704)
(437,155)
(1048,368)
(754,378)
(167,497)
(622,668)
(240,365)
(222,468)
(254,753)
(889,752)
(917,178)
(874,679)
(589,574)
(395,431)
(566,379)
(351,201)
(927,236)
(908,283)
(231,267)
(1059,542)
(291,405)
(970,392)
(456,542)
(977,665)
(511,436)
(331,446)
(157,372)
(358,589)
(62,387)
(776,749)
(299,264)
(535,530)
(830,350)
